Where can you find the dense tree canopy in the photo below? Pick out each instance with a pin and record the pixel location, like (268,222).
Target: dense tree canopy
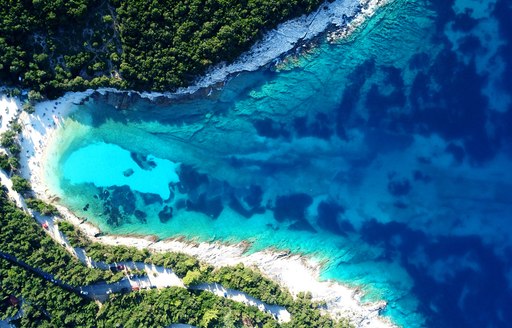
(20,236)
(48,305)
(57,45)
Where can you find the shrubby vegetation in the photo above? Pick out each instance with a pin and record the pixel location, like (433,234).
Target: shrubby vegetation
(305,313)
(23,238)
(41,207)
(110,254)
(101,252)
(9,141)
(251,282)
(75,237)
(167,44)
(20,184)
(180,263)
(43,304)
(159,308)
(9,163)
(185,266)
(54,46)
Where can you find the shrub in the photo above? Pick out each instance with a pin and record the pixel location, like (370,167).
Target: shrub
(75,237)
(29,108)
(41,207)
(193,277)
(34,96)
(4,163)
(20,184)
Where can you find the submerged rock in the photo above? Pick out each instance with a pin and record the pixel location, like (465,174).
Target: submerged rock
(328,216)
(255,196)
(190,179)
(119,100)
(149,198)
(141,216)
(142,161)
(292,207)
(123,197)
(128,172)
(249,202)
(209,206)
(238,207)
(165,214)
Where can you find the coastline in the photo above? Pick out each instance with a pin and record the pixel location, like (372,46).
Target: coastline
(296,272)
(292,271)
(337,19)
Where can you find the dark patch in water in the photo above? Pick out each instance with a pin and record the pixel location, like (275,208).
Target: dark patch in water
(464,22)
(180,204)
(165,214)
(141,216)
(142,161)
(128,172)
(328,217)
(419,61)
(190,179)
(244,208)
(319,126)
(470,45)
(270,129)
(118,204)
(123,197)
(460,281)
(420,176)
(254,196)
(400,205)
(351,96)
(400,187)
(237,206)
(212,207)
(292,207)
(456,151)
(149,198)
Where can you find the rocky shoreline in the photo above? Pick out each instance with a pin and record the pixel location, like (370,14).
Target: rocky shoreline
(334,20)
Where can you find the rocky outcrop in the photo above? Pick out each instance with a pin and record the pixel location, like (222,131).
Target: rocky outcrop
(119,99)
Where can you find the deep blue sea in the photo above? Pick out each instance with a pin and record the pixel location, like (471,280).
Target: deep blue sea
(387,154)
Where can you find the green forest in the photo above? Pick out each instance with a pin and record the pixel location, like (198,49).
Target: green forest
(23,238)
(53,46)
(44,304)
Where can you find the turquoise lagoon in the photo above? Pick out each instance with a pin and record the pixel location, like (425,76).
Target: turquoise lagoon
(386,154)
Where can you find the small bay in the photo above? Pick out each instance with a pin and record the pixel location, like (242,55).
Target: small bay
(387,154)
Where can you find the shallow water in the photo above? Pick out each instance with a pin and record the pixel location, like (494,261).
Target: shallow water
(388,154)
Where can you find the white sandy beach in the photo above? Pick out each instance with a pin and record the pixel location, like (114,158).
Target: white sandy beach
(295,272)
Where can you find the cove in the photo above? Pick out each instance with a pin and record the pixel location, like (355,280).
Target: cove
(387,154)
